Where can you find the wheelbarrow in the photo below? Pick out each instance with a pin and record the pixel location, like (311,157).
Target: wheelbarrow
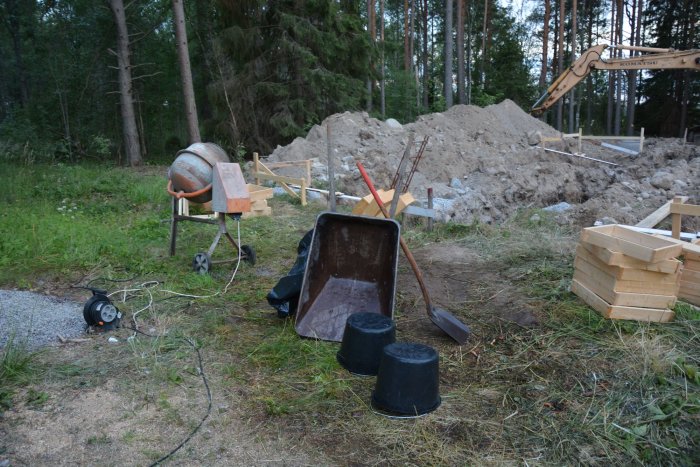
(351,268)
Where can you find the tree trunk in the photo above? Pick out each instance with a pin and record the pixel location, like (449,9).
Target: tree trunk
(611,76)
(382,83)
(448,53)
(482,72)
(406,46)
(183,54)
(15,30)
(589,78)
(560,62)
(572,98)
(372,29)
(545,44)
(129,128)
(618,74)
(460,52)
(637,8)
(469,52)
(426,72)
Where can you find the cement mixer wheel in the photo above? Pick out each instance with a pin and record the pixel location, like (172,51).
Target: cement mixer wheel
(201,264)
(249,254)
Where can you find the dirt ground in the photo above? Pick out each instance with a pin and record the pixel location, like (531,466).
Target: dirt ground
(98,419)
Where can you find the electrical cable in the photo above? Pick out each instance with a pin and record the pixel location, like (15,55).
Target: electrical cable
(147,286)
(209,398)
(206,386)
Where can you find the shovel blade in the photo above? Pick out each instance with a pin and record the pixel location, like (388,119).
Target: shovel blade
(452,326)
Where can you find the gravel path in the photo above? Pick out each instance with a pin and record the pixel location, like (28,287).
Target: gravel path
(37,320)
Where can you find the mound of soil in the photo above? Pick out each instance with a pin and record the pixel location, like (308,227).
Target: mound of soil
(484,164)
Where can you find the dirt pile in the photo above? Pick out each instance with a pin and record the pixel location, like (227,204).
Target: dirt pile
(483,165)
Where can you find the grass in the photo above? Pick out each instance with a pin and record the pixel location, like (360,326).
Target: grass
(575,389)
(17,368)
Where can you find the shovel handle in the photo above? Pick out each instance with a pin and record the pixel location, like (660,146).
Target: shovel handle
(404,247)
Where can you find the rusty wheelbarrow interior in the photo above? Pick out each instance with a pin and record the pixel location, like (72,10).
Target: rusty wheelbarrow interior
(351,269)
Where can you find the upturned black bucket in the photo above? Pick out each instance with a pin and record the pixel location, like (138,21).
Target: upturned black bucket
(408,381)
(366,334)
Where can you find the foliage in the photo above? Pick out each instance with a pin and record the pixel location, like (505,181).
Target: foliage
(294,63)
(17,366)
(670,24)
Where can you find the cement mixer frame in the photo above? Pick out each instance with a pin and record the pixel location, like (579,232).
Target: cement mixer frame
(202,172)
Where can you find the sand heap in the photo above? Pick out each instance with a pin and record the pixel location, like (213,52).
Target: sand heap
(483,165)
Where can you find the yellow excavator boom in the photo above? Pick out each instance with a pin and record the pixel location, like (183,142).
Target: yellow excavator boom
(651,59)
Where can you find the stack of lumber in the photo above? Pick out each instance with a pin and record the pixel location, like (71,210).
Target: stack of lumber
(624,274)
(258,201)
(690,276)
(368,206)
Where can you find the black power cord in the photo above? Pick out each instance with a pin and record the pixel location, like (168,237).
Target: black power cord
(206,386)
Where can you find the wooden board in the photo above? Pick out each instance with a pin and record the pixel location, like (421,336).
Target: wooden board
(691,265)
(257,213)
(620,312)
(615,258)
(624,285)
(660,214)
(689,250)
(625,273)
(631,243)
(372,210)
(689,289)
(258,192)
(685,209)
(365,202)
(604,291)
(229,190)
(688,275)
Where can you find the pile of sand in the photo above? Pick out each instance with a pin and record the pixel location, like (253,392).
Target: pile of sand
(484,164)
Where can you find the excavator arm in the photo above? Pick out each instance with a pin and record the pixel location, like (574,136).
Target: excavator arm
(591,60)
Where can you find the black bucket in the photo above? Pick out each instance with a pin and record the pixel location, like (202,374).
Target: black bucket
(408,382)
(366,334)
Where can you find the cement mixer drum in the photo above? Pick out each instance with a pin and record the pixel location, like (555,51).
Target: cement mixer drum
(193,167)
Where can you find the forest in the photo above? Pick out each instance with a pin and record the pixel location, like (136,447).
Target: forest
(74,72)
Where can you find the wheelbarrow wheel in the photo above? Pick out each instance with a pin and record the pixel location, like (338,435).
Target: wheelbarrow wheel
(248,254)
(201,264)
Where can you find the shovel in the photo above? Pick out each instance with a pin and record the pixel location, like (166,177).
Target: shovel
(443,319)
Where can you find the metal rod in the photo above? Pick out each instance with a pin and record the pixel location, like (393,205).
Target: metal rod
(331,170)
(430,206)
(581,156)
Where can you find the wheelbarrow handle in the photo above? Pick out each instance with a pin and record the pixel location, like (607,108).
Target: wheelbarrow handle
(404,247)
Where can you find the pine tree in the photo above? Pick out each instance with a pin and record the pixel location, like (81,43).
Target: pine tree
(293,64)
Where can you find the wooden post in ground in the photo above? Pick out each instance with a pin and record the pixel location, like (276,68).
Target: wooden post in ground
(641,141)
(430,206)
(580,137)
(676,219)
(256,167)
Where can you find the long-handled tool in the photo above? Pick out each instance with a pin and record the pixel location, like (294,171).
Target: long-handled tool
(441,318)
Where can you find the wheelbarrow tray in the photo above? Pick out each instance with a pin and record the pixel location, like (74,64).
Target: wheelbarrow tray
(351,269)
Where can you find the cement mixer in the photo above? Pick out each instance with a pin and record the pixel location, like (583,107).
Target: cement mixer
(202,173)
(190,176)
